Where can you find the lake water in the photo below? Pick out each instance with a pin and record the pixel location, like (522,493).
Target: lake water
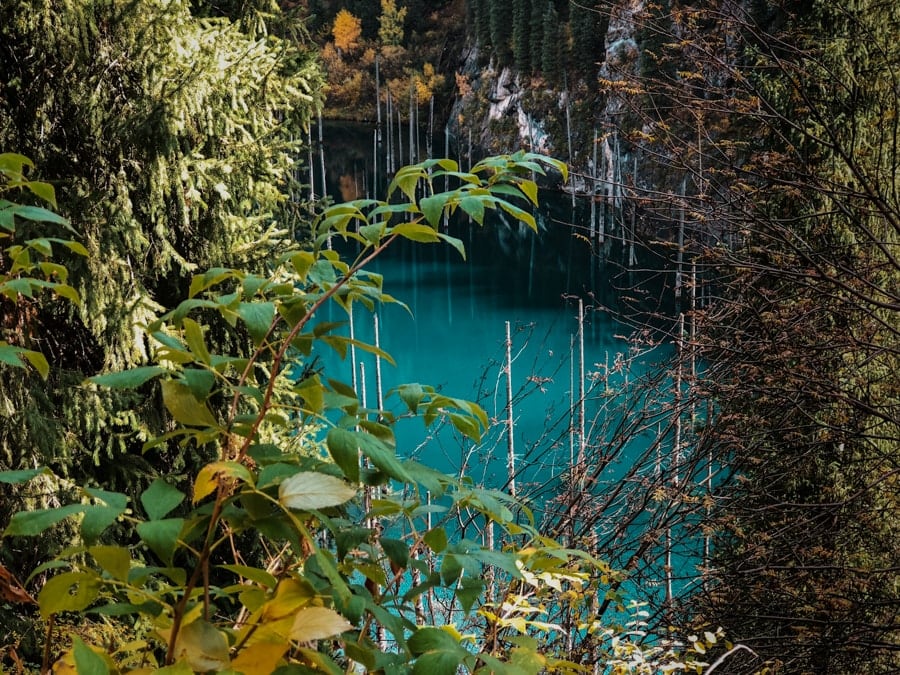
(454,338)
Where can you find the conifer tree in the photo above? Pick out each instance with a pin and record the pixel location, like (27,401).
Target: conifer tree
(172,143)
(521,37)
(501,30)
(551,50)
(536,33)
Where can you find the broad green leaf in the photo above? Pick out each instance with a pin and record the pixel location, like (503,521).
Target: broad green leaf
(68,592)
(30,523)
(344,449)
(128,379)
(193,335)
(432,207)
(417,232)
(318,623)
(161,536)
(455,243)
(258,317)
(309,490)
(12,164)
(203,646)
(160,498)
(39,361)
(436,538)
(439,663)
(181,667)
(411,394)
(519,214)
(468,591)
(256,574)
(382,456)
(38,214)
(439,653)
(312,391)
(114,559)
(97,517)
(21,476)
(474,206)
(87,661)
(397,552)
(184,406)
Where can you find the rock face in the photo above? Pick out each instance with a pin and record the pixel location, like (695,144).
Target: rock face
(502,110)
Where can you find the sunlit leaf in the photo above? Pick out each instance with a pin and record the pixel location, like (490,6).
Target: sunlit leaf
(203,646)
(318,623)
(114,559)
(68,592)
(310,490)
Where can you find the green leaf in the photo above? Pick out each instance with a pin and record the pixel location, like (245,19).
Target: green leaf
(199,381)
(184,406)
(258,317)
(87,661)
(97,517)
(30,523)
(160,498)
(455,243)
(432,207)
(114,559)
(438,652)
(128,379)
(38,214)
(256,574)
(468,591)
(161,536)
(193,335)
(68,592)
(344,449)
(397,552)
(474,206)
(41,190)
(312,392)
(22,476)
(310,490)
(411,394)
(436,538)
(39,361)
(382,456)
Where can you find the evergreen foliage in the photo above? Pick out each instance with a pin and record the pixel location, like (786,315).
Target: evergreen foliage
(521,38)
(172,140)
(551,46)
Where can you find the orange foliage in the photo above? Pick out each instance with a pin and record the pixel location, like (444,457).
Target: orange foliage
(346,31)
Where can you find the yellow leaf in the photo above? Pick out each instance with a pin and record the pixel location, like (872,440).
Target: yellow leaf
(318,623)
(259,659)
(290,596)
(203,646)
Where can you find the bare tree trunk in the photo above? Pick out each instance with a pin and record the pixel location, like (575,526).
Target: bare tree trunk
(510,429)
